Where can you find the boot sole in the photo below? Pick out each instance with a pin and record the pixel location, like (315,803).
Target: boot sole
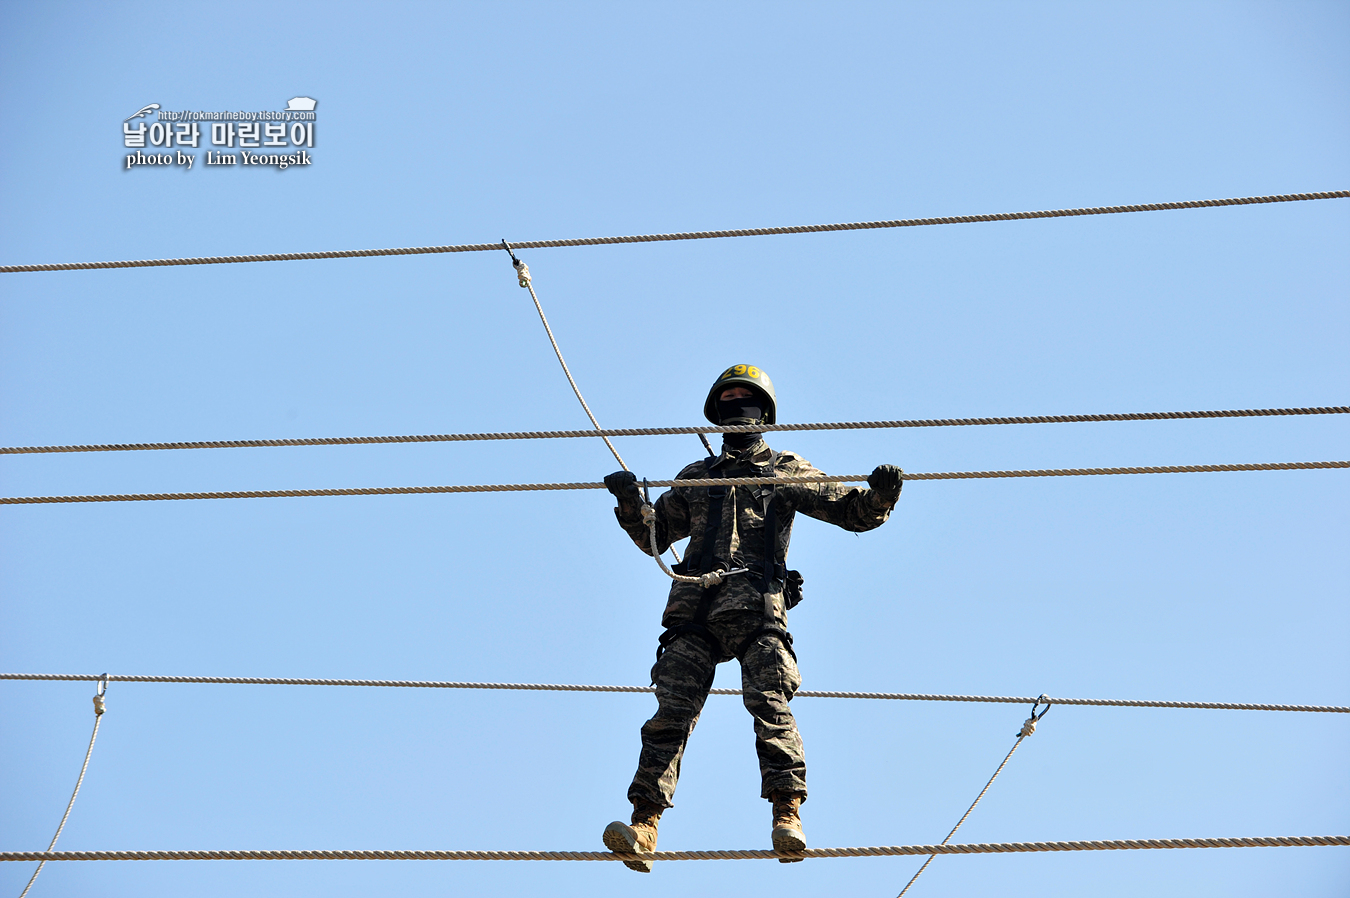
(620,840)
(785,838)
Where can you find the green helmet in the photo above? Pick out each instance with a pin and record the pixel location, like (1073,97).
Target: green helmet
(745,376)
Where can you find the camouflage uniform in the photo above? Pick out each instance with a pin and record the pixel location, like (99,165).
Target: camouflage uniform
(741,619)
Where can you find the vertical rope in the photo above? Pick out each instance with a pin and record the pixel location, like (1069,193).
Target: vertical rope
(1028,728)
(963,816)
(98,718)
(523,276)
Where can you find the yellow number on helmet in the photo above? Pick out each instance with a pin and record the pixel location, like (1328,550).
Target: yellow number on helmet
(752,371)
(738,370)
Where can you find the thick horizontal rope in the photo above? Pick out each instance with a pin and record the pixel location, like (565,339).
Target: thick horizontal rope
(564,687)
(732,855)
(739,481)
(681,431)
(687,235)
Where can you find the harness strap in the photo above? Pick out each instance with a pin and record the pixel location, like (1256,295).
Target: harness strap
(690,629)
(717,496)
(770,564)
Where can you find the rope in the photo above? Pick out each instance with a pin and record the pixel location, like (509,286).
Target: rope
(566,687)
(711,578)
(99,708)
(741,481)
(877,851)
(673,431)
(704,580)
(690,235)
(523,276)
(1028,728)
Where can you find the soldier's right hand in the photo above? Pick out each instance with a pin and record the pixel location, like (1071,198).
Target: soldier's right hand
(623,484)
(886,481)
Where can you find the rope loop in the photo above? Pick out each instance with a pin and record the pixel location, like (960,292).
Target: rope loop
(99,704)
(649,518)
(710,579)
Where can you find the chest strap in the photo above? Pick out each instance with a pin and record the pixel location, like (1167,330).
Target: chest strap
(717,497)
(770,563)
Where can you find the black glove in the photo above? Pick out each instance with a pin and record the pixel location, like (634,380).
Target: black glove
(623,484)
(885,482)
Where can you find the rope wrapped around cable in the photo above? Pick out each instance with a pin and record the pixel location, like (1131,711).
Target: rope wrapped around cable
(739,481)
(688,235)
(676,431)
(567,687)
(724,855)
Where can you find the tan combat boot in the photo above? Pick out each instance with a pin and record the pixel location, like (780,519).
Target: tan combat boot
(787,824)
(640,838)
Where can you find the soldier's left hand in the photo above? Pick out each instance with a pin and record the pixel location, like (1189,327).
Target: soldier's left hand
(886,481)
(623,484)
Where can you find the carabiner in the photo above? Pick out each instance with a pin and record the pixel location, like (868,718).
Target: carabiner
(99,704)
(1029,726)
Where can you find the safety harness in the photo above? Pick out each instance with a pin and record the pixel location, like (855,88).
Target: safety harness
(768,570)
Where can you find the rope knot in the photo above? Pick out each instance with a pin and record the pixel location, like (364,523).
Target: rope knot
(648,513)
(99,703)
(523,276)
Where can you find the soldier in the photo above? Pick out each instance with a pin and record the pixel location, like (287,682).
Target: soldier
(744,616)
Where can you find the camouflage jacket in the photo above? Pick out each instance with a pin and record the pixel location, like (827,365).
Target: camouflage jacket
(683,511)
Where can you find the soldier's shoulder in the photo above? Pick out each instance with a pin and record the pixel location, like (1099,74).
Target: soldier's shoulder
(693,471)
(791,462)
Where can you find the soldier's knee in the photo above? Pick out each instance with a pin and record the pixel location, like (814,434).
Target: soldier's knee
(768,667)
(683,673)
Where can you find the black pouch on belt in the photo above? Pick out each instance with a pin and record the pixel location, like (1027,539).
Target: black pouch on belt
(792,589)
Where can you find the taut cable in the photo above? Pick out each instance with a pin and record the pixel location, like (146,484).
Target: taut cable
(690,235)
(739,481)
(716,855)
(570,687)
(671,431)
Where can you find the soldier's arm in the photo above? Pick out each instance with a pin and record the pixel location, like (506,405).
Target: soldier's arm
(672,522)
(851,508)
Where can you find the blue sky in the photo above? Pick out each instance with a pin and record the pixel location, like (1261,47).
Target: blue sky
(455,123)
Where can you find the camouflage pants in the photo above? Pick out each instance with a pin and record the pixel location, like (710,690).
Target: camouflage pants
(683,676)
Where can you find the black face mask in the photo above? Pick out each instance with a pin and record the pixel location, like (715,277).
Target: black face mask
(748,410)
(737,442)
